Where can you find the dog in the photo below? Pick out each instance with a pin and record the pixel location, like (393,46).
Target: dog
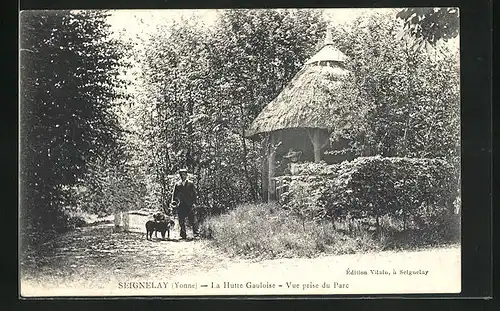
(161,223)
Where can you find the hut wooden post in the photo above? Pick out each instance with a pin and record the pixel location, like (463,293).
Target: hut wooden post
(317,146)
(318,142)
(271,160)
(265,167)
(314,136)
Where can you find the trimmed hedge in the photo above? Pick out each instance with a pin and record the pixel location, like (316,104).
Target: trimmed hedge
(315,169)
(413,190)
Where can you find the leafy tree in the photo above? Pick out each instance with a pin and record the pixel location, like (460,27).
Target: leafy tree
(171,87)
(429,25)
(257,54)
(70,71)
(398,101)
(202,86)
(109,187)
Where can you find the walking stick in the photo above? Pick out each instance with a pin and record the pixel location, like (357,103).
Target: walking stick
(172,204)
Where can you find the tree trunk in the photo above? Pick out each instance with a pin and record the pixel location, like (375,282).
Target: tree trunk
(409,92)
(252,187)
(117,219)
(125,219)
(404,220)
(257,181)
(271,168)
(378,231)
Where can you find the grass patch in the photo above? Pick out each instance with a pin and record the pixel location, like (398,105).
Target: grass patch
(267,231)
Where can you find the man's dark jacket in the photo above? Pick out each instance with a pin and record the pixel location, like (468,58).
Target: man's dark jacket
(186,193)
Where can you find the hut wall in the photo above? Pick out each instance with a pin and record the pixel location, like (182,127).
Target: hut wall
(298,139)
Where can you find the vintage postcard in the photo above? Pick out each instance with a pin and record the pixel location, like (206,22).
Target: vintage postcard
(239,152)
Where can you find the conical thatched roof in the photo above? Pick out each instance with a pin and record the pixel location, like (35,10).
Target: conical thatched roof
(327,53)
(307,100)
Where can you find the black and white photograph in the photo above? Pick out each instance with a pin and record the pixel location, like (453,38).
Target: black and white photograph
(229,152)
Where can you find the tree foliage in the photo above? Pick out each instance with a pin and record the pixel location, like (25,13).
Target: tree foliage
(202,86)
(398,101)
(70,71)
(429,25)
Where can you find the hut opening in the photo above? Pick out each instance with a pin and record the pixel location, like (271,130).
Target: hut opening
(299,118)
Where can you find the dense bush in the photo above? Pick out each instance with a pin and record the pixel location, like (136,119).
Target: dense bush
(304,195)
(417,192)
(375,186)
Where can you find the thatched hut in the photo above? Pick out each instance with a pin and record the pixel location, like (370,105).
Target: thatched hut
(300,116)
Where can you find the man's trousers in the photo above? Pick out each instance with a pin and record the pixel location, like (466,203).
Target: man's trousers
(185,212)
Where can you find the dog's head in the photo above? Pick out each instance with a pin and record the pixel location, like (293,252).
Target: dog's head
(159,216)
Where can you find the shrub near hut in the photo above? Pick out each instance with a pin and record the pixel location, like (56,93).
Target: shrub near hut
(375,186)
(306,187)
(405,193)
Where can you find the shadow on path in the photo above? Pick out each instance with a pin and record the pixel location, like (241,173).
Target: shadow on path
(98,254)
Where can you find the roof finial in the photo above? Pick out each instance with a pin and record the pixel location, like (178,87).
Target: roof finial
(329,39)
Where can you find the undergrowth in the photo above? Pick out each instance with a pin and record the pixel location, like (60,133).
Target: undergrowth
(268,231)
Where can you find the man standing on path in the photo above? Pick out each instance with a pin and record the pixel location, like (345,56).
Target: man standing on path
(185,193)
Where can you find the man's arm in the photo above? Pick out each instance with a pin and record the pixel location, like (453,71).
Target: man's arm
(175,193)
(194,193)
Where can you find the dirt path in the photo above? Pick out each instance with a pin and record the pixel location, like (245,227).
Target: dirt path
(96,255)
(96,261)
